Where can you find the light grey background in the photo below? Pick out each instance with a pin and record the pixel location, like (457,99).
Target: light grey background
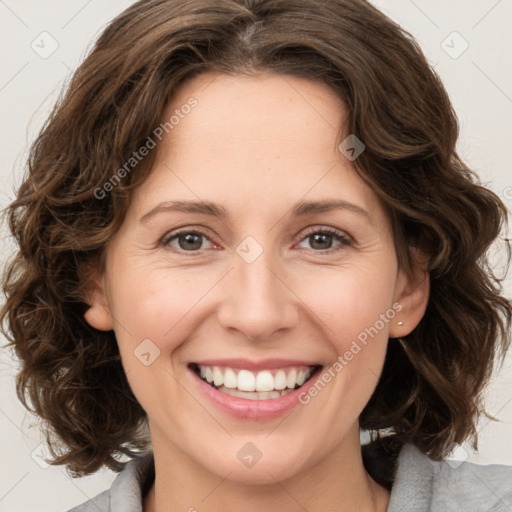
(479,81)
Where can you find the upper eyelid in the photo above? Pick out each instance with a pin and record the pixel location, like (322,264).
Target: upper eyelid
(179,231)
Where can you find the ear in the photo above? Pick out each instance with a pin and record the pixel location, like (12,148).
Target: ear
(412,293)
(98,315)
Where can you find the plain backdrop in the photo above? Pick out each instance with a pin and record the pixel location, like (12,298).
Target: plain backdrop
(42,42)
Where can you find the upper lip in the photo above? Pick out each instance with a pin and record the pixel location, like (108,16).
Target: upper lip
(263,364)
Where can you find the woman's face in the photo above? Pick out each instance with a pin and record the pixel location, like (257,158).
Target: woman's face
(254,254)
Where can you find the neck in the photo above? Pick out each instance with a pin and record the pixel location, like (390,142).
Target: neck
(337,482)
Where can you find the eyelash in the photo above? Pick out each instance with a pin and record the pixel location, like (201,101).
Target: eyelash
(341,237)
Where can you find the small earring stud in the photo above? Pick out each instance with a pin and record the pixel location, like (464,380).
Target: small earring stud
(400,323)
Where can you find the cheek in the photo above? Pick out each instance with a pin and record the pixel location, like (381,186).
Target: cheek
(157,305)
(349,300)
(154,312)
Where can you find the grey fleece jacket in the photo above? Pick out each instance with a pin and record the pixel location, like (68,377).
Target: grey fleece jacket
(420,485)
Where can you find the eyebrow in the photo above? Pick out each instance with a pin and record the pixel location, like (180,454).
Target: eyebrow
(216,210)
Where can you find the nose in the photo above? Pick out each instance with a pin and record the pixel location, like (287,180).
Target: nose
(257,300)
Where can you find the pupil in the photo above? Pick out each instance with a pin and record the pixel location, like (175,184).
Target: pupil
(321,237)
(189,239)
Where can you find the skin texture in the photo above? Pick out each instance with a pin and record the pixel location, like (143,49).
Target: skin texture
(257,146)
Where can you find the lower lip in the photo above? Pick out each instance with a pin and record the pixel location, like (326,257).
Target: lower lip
(255,410)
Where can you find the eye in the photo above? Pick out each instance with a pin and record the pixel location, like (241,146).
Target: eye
(321,240)
(186,240)
(191,240)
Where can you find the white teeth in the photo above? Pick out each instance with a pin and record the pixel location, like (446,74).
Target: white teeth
(291,379)
(265,383)
(218,378)
(280,380)
(230,380)
(246,381)
(259,395)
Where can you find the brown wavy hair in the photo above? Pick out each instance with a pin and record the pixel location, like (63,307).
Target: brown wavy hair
(430,391)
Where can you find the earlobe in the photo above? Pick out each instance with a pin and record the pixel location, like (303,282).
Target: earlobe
(412,294)
(98,315)
(99,318)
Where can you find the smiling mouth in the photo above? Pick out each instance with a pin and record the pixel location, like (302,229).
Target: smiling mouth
(262,385)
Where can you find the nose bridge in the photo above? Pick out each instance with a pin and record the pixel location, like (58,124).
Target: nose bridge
(259,286)
(258,302)
(252,268)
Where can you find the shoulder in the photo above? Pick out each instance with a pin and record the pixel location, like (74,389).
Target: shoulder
(472,486)
(127,490)
(99,502)
(424,485)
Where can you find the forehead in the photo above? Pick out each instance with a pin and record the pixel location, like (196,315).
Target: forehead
(255,142)
(257,109)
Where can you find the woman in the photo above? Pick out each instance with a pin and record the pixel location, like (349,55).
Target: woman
(246,235)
